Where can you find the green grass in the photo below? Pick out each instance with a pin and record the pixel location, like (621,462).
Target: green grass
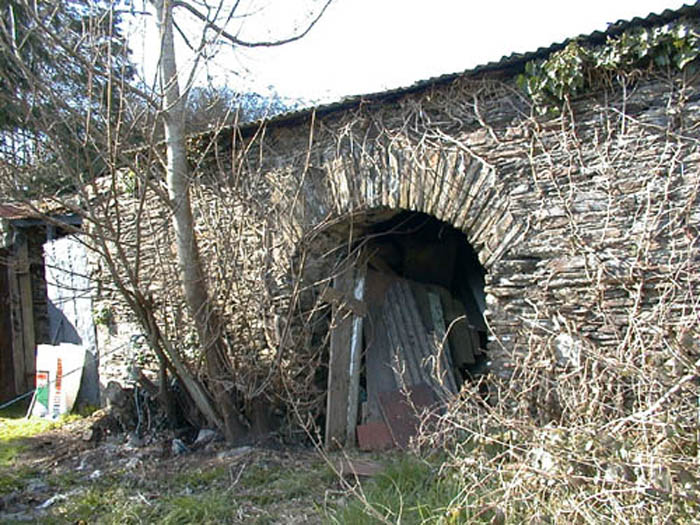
(15,429)
(267,484)
(261,489)
(409,491)
(110,503)
(198,479)
(205,496)
(13,432)
(261,493)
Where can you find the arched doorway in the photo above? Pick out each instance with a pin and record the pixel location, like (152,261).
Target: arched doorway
(420,248)
(407,327)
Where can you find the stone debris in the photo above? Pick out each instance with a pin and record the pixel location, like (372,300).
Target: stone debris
(178,447)
(204,437)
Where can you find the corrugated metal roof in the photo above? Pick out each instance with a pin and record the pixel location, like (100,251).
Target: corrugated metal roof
(511,64)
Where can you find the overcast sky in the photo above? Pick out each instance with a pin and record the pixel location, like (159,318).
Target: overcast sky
(363,46)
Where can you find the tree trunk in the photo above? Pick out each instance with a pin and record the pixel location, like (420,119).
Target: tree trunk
(206,319)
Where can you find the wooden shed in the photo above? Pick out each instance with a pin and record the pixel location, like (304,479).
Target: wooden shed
(45,293)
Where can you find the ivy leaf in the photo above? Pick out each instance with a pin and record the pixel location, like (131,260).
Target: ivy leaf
(684,58)
(575,68)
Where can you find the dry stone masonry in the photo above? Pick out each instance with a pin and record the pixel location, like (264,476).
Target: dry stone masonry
(585,223)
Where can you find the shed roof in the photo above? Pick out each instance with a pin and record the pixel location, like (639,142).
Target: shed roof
(17,211)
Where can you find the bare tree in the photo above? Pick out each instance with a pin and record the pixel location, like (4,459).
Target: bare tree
(100,186)
(206,319)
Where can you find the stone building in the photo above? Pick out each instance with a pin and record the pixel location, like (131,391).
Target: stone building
(557,241)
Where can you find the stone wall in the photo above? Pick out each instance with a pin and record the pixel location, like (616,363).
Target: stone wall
(586,223)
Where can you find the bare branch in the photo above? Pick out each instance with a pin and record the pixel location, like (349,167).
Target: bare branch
(237,41)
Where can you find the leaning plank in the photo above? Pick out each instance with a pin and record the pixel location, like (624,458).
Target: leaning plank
(337,298)
(355,357)
(338,365)
(459,330)
(443,374)
(421,352)
(378,371)
(404,332)
(434,359)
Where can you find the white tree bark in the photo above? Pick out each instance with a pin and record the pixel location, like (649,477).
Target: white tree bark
(222,411)
(194,283)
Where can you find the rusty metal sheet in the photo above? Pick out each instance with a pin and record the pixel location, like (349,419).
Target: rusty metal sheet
(401,411)
(374,436)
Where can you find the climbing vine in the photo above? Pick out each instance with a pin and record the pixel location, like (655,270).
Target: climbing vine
(576,68)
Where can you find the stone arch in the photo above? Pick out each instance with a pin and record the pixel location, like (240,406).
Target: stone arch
(408,299)
(356,190)
(449,184)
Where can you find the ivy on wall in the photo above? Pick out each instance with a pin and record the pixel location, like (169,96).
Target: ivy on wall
(575,69)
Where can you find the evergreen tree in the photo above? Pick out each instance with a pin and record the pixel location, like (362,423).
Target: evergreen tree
(63,67)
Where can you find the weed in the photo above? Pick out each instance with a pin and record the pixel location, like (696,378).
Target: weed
(268,483)
(212,508)
(13,432)
(411,490)
(198,479)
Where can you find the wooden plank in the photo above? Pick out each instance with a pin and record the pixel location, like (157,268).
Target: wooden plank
(403,332)
(444,374)
(24,280)
(341,299)
(338,365)
(460,332)
(17,330)
(414,340)
(22,317)
(378,372)
(345,358)
(7,380)
(400,351)
(420,347)
(355,357)
(432,356)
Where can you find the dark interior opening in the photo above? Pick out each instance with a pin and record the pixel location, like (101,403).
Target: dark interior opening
(421,248)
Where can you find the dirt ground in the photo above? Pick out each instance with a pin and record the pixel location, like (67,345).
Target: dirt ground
(66,475)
